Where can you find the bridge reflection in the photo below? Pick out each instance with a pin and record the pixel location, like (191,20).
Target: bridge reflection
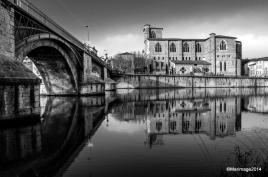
(67,123)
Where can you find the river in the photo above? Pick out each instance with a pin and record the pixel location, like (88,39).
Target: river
(180,132)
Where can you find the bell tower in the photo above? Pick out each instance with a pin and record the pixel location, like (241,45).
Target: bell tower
(146,31)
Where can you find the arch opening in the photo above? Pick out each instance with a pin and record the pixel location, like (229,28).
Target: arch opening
(53,69)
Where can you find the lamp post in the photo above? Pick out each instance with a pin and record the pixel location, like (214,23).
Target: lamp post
(86,26)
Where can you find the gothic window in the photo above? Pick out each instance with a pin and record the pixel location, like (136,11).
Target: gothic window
(223,127)
(197,125)
(223,45)
(152,35)
(173,125)
(220,66)
(172,47)
(158,48)
(198,47)
(185,47)
(186,125)
(224,66)
(158,126)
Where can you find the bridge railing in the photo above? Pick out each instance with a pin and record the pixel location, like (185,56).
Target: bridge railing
(45,20)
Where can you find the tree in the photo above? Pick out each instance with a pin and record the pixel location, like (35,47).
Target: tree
(121,64)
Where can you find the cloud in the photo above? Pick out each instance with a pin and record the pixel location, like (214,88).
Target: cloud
(124,127)
(120,43)
(254,45)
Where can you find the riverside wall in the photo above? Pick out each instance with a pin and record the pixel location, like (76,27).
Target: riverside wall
(178,81)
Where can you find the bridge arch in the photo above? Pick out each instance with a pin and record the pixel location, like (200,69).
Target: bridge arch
(56,61)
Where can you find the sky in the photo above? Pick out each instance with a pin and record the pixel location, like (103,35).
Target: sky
(116,25)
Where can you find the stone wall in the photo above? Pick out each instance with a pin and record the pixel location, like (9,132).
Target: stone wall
(141,95)
(92,88)
(7,41)
(166,81)
(87,63)
(18,101)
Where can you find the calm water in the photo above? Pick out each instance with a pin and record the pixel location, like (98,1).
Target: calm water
(141,133)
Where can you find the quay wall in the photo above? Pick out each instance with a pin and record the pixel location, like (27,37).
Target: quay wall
(18,101)
(176,81)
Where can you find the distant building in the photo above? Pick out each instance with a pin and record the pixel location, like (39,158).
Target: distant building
(223,53)
(258,67)
(131,63)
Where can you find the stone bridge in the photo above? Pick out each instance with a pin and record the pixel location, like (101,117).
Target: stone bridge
(67,66)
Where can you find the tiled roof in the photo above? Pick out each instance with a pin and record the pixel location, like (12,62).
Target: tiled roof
(190,62)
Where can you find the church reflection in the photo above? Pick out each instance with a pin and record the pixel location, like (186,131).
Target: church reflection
(219,117)
(215,118)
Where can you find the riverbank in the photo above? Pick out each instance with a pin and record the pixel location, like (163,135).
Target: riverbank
(178,81)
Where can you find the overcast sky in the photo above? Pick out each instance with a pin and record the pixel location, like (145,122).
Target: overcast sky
(116,25)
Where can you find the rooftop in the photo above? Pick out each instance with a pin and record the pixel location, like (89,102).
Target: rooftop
(189,39)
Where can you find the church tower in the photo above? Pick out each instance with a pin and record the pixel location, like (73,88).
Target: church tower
(152,32)
(146,31)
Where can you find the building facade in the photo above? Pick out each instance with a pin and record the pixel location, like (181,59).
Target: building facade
(258,67)
(223,53)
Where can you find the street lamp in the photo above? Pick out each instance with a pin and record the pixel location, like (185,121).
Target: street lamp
(86,26)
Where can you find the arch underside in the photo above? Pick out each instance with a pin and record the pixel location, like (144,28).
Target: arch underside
(54,70)
(55,63)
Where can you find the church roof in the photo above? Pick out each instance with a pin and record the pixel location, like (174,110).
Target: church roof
(174,39)
(191,62)
(221,36)
(189,39)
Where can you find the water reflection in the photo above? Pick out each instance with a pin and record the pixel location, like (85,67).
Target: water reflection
(28,148)
(134,133)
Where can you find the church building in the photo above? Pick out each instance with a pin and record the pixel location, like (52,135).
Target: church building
(217,54)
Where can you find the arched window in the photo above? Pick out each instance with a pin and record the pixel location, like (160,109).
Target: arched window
(172,47)
(223,45)
(224,66)
(223,127)
(220,66)
(158,126)
(185,47)
(152,34)
(173,125)
(158,47)
(198,47)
